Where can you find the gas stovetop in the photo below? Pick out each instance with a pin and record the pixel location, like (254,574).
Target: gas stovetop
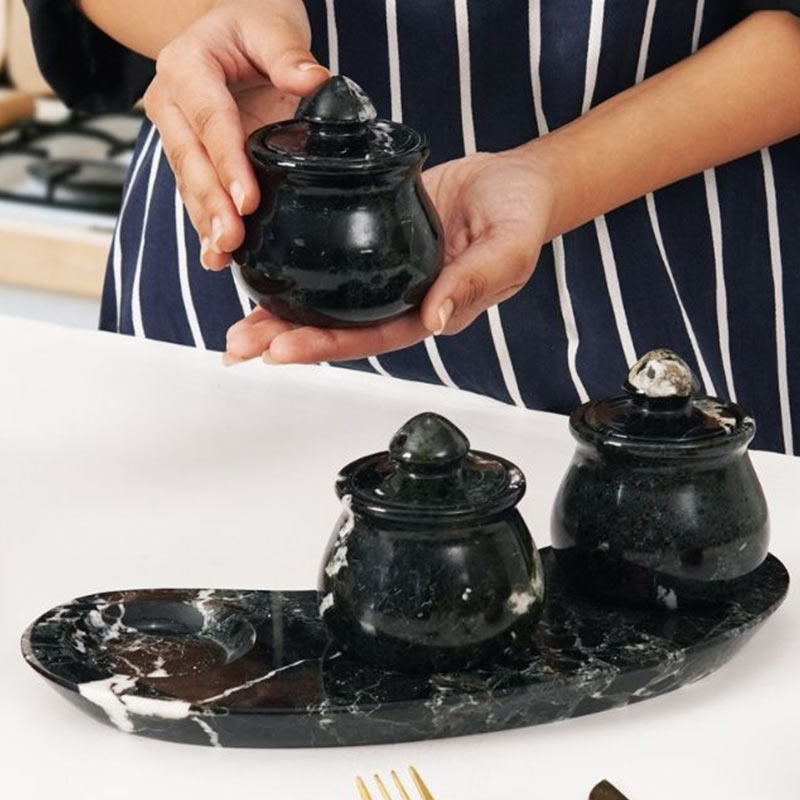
(73,164)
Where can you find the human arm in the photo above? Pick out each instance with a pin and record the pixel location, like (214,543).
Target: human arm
(738,94)
(733,97)
(144,26)
(223,69)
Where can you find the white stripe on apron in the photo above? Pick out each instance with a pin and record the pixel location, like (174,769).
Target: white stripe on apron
(377,366)
(183,274)
(780,322)
(333,38)
(116,258)
(614,289)
(705,375)
(715,222)
(565,301)
(468,133)
(136,300)
(698,24)
(395,88)
(646,35)
(438,364)
(593,52)
(244,300)
(601,226)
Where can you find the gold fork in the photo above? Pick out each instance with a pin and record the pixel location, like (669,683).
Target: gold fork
(423,790)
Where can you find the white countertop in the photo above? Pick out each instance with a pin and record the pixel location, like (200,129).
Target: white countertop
(126,463)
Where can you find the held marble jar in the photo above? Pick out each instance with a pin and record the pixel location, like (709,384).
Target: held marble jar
(345,234)
(661,505)
(430,566)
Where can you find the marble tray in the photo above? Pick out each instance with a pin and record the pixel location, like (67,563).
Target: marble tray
(257,669)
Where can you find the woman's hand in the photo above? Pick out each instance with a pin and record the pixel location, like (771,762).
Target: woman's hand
(496,211)
(243,64)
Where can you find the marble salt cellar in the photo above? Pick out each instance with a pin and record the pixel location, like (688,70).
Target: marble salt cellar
(661,505)
(345,234)
(430,566)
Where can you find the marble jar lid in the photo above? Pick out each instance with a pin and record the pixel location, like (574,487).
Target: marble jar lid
(429,471)
(336,129)
(662,405)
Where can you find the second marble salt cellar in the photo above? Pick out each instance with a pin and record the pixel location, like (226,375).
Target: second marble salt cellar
(430,566)
(661,505)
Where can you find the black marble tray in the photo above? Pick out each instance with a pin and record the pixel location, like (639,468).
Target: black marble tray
(257,669)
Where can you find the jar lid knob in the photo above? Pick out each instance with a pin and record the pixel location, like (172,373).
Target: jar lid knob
(662,378)
(339,101)
(429,443)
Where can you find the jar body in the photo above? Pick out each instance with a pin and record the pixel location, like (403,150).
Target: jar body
(660,530)
(340,249)
(420,598)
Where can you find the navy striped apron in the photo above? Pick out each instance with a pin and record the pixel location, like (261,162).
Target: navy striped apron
(709,267)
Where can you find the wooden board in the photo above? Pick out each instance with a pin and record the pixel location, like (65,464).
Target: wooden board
(53,258)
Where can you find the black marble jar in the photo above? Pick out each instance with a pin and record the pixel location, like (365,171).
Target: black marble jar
(661,505)
(430,566)
(345,234)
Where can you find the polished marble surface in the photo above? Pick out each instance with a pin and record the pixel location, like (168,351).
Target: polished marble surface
(259,669)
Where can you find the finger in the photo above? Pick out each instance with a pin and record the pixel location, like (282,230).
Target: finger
(212,260)
(280,51)
(310,345)
(258,314)
(210,208)
(254,334)
(197,85)
(487,272)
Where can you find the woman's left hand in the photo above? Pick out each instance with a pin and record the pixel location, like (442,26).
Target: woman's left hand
(496,210)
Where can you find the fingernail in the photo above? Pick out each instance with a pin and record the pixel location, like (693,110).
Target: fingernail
(268,359)
(230,360)
(445,312)
(216,232)
(205,246)
(307,65)
(237,194)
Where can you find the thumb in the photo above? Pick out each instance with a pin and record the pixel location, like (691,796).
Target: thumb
(280,50)
(484,274)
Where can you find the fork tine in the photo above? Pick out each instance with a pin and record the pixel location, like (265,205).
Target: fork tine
(423,790)
(400,788)
(384,794)
(362,790)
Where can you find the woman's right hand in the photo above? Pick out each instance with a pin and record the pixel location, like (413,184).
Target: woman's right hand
(242,65)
